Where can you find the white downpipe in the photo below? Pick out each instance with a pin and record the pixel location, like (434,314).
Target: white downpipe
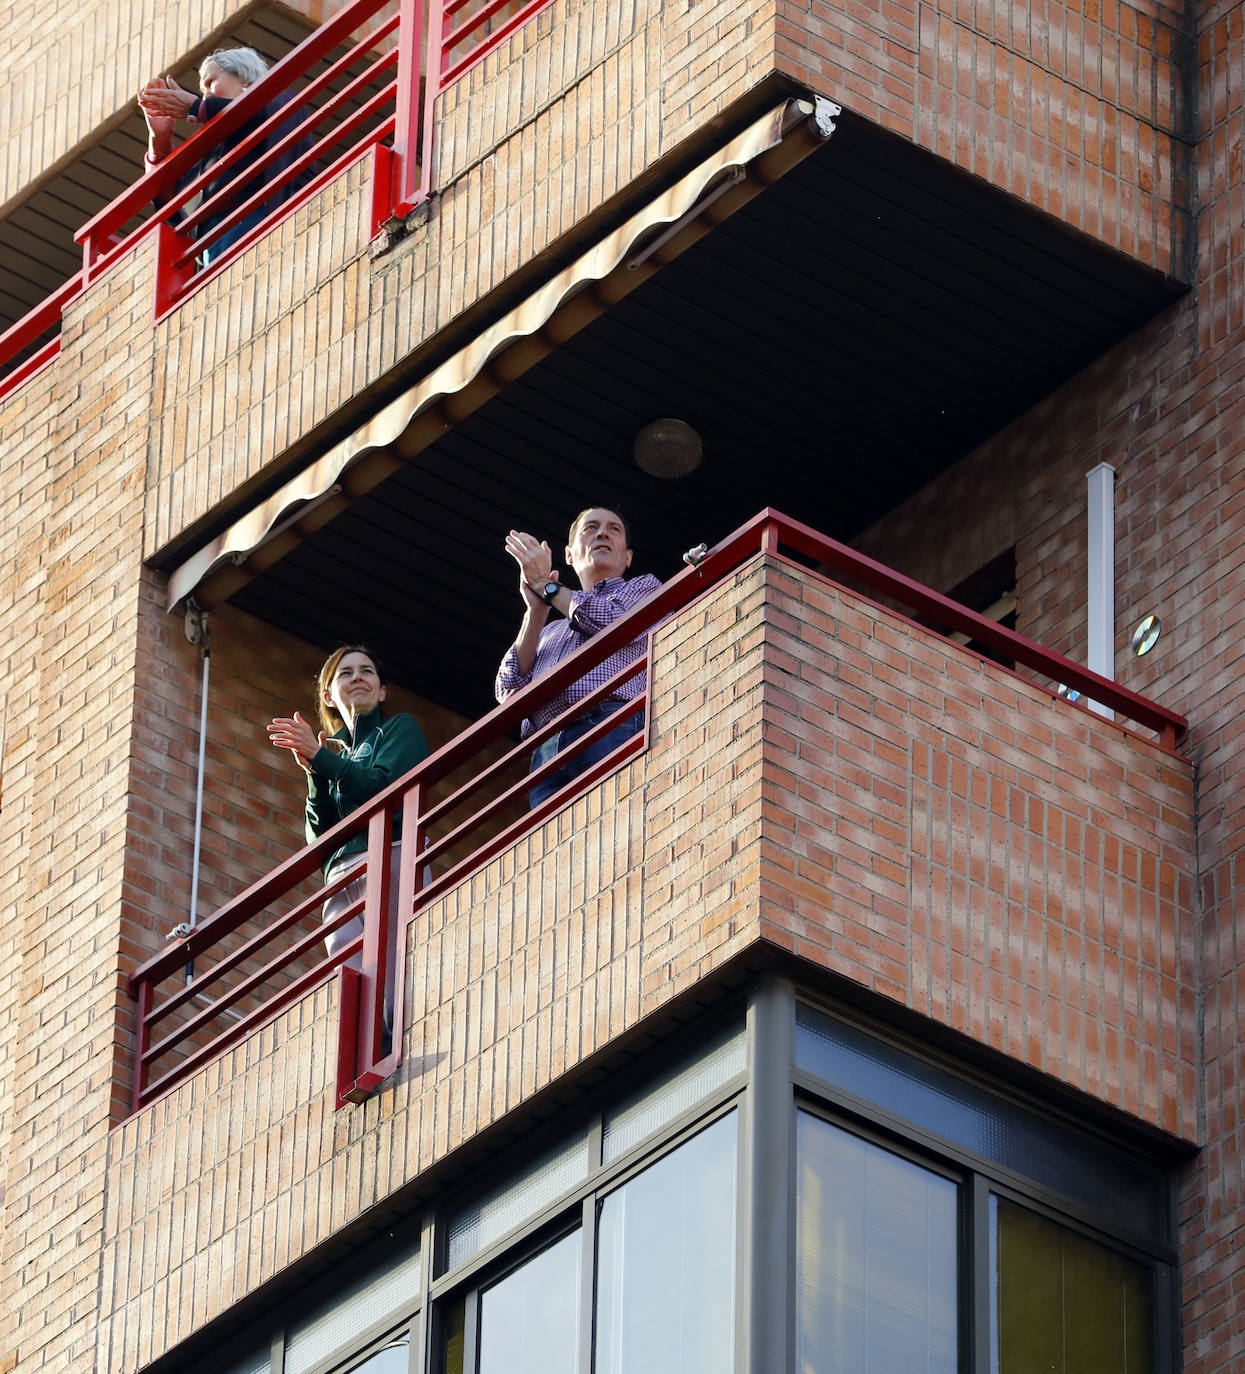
(1101,660)
(194,869)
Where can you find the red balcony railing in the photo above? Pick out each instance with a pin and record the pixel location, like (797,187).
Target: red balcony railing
(272,968)
(375,98)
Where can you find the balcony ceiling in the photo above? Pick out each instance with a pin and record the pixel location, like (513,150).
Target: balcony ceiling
(857,328)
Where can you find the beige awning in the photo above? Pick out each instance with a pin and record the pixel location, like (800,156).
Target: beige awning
(601,277)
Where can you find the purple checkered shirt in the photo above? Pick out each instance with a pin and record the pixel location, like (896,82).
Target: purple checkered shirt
(592,611)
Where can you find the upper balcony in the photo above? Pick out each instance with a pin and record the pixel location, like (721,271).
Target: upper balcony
(891,276)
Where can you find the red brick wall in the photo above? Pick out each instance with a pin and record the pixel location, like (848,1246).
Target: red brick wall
(1078,110)
(72,480)
(1002,863)
(1166,410)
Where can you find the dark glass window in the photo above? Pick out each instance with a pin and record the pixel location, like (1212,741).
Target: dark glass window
(1062,1303)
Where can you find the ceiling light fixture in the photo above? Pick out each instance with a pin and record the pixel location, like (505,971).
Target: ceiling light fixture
(668,448)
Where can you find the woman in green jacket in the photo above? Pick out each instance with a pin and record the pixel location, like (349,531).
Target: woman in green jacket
(357,753)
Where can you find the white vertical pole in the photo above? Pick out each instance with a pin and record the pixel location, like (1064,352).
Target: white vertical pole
(1101,659)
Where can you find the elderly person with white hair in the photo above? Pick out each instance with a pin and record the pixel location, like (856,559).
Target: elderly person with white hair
(223,76)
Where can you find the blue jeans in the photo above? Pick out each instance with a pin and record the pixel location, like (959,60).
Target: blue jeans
(593,754)
(227,240)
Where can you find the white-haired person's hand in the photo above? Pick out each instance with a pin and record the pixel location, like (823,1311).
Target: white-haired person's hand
(164,98)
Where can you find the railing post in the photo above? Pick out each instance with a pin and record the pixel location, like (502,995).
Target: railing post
(171,280)
(348,1035)
(409,136)
(384,174)
(377,943)
(142,1012)
(410,880)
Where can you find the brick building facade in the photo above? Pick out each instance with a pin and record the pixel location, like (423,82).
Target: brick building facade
(840,818)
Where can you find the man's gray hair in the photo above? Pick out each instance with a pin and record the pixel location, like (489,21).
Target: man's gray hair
(244,63)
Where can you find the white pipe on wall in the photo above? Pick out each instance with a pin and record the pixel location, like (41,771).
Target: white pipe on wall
(1101,629)
(198,845)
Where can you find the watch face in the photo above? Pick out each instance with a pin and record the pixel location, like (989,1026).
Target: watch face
(551,589)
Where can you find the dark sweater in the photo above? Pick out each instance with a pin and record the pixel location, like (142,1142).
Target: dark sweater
(382,750)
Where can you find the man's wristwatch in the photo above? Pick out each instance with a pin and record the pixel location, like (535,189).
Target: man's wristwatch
(548,591)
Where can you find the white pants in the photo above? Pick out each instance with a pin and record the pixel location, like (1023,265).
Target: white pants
(353,891)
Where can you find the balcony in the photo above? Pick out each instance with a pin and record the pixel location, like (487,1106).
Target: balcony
(825,787)
(880,235)
(821,780)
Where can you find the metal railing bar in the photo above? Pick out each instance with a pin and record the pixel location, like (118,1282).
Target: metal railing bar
(240,1030)
(533,741)
(490,809)
(979,627)
(305,908)
(439,886)
(203,1018)
(249,903)
(163,178)
(451,71)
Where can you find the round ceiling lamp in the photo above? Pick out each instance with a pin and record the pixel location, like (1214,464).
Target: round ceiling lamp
(668,448)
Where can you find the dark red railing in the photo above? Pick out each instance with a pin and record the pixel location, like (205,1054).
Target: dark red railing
(384,67)
(430,867)
(27,331)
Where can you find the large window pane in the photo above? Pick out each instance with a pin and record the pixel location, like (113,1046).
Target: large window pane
(666,1263)
(1062,1304)
(876,1261)
(529,1320)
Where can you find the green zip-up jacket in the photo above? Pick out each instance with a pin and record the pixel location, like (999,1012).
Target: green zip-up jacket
(383,748)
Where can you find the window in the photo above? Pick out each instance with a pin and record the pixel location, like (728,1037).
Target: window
(666,1263)
(1062,1303)
(877,1247)
(661,1299)
(941,1224)
(525,1323)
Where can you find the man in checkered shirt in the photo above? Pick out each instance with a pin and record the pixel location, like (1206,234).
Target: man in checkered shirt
(599,552)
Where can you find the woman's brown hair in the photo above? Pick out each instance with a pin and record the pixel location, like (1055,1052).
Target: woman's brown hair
(330,721)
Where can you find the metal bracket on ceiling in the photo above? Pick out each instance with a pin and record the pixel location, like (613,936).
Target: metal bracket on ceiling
(822,113)
(195,625)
